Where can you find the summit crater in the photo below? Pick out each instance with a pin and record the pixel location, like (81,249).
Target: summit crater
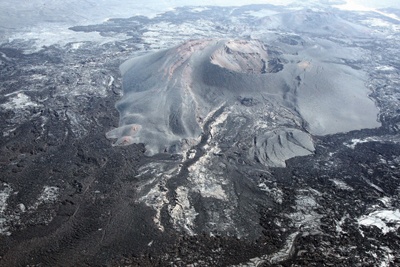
(169,95)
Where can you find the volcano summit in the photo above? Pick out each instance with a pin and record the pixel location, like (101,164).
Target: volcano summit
(169,96)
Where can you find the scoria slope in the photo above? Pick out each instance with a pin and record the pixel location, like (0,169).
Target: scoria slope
(169,96)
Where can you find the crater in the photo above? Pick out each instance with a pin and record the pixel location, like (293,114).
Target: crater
(168,96)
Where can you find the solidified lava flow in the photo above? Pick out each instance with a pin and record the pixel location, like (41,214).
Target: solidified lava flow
(227,152)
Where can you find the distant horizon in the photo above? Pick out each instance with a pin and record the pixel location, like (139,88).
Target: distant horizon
(368,5)
(74,12)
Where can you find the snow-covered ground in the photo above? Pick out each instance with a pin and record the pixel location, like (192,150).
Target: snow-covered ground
(386,220)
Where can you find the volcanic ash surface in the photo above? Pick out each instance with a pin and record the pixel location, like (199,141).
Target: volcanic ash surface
(170,95)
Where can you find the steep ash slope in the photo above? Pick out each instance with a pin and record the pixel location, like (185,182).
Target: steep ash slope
(169,95)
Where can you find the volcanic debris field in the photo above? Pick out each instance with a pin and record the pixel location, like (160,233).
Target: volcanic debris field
(273,142)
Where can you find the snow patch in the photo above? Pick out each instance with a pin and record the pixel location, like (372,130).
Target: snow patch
(306,216)
(8,132)
(199,9)
(389,259)
(386,201)
(204,181)
(49,195)
(340,223)
(4,195)
(20,101)
(341,185)
(377,22)
(279,256)
(385,68)
(381,219)
(183,213)
(261,13)
(354,142)
(50,34)
(156,197)
(76,45)
(275,193)
(111,81)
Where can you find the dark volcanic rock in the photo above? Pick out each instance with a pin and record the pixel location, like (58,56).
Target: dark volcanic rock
(238,114)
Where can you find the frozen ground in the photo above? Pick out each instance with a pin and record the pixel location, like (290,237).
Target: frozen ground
(296,183)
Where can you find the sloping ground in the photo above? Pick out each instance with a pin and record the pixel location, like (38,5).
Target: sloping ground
(169,95)
(315,22)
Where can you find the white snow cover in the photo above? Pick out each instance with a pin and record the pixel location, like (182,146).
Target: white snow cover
(4,195)
(381,218)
